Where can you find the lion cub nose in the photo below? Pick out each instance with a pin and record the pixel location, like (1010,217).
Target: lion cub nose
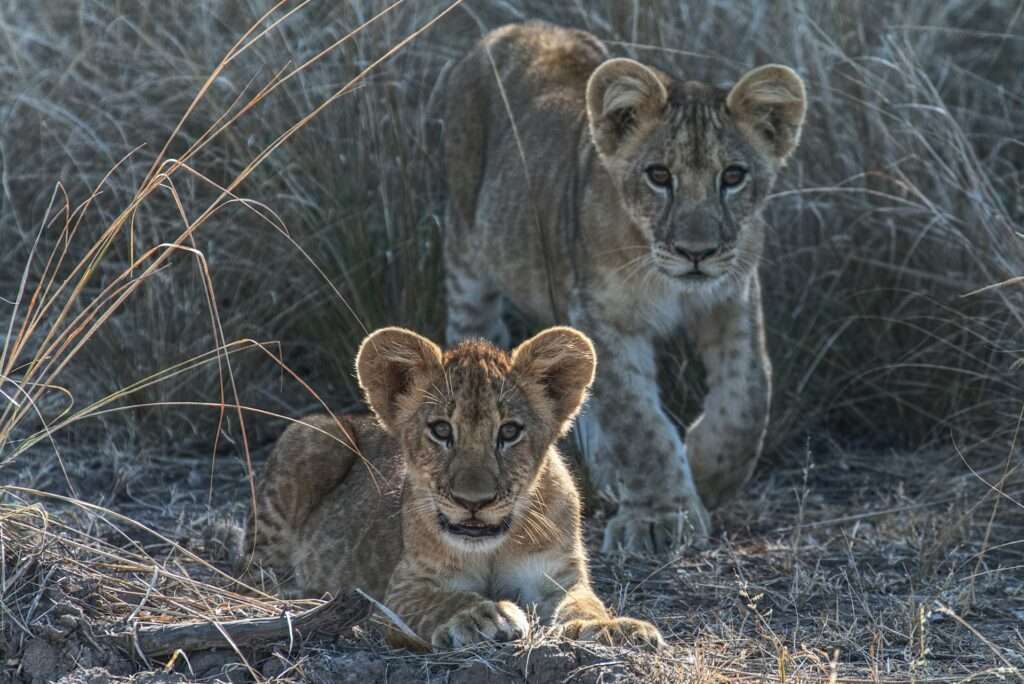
(474,489)
(695,255)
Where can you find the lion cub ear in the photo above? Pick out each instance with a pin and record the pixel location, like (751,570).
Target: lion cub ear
(622,93)
(770,102)
(390,364)
(561,362)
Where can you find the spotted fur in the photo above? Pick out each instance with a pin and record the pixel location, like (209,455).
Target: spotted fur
(553,207)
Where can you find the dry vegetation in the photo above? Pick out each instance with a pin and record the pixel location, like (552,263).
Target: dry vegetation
(199,223)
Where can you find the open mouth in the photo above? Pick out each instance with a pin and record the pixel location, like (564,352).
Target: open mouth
(474,528)
(690,275)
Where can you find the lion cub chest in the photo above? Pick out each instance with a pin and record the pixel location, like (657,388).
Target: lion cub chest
(529,580)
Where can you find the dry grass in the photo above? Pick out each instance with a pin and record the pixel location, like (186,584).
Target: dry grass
(204,206)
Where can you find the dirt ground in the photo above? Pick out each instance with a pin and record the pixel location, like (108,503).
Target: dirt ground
(834,566)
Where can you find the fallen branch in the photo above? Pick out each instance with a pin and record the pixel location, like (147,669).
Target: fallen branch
(332,617)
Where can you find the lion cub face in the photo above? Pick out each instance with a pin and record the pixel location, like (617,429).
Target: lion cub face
(693,163)
(475,423)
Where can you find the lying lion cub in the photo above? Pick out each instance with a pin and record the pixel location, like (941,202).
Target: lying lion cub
(452,502)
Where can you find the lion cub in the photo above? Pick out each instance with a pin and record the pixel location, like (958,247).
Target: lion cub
(451,502)
(626,201)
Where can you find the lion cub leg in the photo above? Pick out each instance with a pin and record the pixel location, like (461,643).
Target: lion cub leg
(725,442)
(576,612)
(561,578)
(633,450)
(582,616)
(309,460)
(452,618)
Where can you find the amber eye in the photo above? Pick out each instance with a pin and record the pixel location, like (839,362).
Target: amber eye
(733,176)
(659,175)
(441,431)
(509,432)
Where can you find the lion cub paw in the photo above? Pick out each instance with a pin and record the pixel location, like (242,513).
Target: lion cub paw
(640,531)
(615,632)
(484,621)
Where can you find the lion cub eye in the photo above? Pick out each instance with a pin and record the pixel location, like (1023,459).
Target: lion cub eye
(659,175)
(441,431)
(733,176)
(508,433)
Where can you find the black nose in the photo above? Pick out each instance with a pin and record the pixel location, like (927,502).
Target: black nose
(694,255)
(473,502)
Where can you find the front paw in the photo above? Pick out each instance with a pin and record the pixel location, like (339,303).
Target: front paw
(643,530)
(484,621)
(616,632)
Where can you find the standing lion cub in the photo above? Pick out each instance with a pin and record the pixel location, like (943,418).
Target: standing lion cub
(451,503)
(612,196)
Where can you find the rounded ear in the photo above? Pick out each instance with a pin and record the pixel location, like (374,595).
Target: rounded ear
(562,362)
(770,102)
(390,364)
(622,93)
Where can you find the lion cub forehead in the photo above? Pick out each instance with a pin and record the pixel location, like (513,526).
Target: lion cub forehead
(697,124)
(683,93)
(477,386)
(477,358)
(475,373)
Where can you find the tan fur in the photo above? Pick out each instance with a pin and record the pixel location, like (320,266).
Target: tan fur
(371,502)
(552,208)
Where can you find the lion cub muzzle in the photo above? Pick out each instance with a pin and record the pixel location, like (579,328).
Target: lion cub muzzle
(474,511)
(474,488)
(698,245)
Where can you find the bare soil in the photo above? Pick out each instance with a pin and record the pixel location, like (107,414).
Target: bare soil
(835,565)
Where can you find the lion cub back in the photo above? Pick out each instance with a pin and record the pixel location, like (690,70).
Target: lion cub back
(329,494)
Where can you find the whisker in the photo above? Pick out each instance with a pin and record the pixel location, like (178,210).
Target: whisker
(629,263)
(647,263)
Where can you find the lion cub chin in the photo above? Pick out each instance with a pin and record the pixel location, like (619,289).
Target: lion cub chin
(450,502)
